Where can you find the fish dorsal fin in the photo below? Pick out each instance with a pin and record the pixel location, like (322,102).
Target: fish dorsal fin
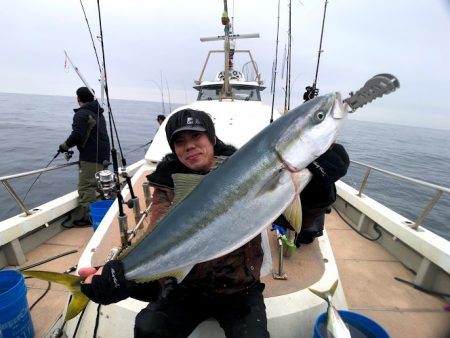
(184,184)
(293,213)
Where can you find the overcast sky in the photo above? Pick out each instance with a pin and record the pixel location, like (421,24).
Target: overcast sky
(146,38)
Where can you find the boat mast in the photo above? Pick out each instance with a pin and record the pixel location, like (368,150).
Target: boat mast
(226,92)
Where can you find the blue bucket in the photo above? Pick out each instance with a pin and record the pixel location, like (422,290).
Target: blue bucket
(15,317)
(359,325)
(98,210)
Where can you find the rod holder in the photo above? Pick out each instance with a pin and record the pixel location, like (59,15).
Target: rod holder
(123,227)
(147,193)
(136,210)
(280,274)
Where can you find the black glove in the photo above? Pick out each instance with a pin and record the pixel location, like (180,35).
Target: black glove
(63,147)
(109,287)
(330,166)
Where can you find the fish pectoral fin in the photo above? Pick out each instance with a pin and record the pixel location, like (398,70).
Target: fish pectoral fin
(184,184)
(78,301)
(293,213)
(271,184)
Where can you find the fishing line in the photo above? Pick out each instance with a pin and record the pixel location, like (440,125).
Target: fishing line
(144,145)
(92,39)
(31,186)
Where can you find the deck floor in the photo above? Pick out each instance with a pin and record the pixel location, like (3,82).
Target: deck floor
(367,273)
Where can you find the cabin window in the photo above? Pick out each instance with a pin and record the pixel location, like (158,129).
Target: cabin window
(240,93)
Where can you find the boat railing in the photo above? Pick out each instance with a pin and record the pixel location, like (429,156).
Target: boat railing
(19,201)
(237,51)
(438,190)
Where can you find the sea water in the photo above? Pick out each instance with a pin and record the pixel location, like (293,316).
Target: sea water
(33,126)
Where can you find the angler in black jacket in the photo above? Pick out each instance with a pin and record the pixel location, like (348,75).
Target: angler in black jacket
(90,136)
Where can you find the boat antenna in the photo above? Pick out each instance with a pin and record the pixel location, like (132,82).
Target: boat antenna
(275,65)
(287,96)
(313,91)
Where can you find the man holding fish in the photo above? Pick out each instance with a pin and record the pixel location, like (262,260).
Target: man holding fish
(227,287)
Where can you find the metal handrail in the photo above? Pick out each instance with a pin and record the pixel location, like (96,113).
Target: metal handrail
(20,203)
(438,189)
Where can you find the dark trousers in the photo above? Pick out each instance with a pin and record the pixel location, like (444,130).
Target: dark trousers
(177,314)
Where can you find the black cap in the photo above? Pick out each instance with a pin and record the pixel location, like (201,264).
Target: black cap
(190,120)
(84,94)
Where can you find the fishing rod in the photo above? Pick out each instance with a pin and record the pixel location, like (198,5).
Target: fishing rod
(134,201)
(287,96)
(79,74)
(68,156)
(274,73)
(92,38)
(313,91)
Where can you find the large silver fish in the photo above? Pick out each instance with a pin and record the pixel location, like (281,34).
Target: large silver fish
(233,203)
(236,201)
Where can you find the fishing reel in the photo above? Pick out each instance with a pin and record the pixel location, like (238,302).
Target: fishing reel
(68,155)
(106,182)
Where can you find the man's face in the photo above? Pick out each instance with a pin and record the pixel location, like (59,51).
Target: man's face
(194,150)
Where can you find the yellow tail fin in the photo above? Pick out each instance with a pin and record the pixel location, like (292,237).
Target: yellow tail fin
(327,294)
(79,300)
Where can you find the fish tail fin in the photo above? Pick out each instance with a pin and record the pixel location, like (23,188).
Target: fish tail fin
(327,294)
(78,301)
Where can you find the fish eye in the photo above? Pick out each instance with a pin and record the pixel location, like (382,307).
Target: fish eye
(320,115)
